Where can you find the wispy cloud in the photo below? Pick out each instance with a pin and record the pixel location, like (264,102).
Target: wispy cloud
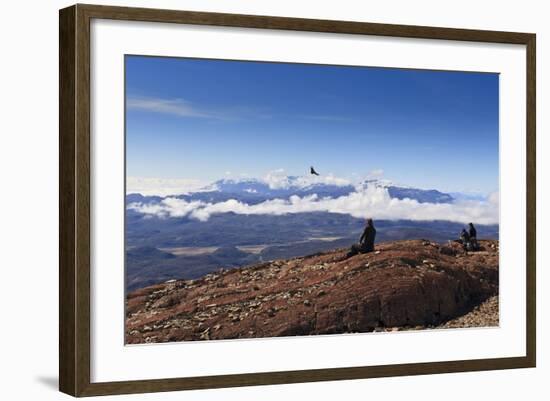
(177,107)
(368,202)
(183,108)
(180,107)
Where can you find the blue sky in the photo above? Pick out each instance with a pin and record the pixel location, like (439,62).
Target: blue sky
(199,119)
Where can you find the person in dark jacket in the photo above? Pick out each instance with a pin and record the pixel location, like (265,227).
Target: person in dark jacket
(472,230)
(366,242)
(465,239)
(473,236)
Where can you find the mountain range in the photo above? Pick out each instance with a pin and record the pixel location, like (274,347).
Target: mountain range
(254,191)
(162,247)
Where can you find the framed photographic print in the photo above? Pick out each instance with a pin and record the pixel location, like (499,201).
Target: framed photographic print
(250,200)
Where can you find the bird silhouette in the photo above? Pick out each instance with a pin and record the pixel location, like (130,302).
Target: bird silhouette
(312,171)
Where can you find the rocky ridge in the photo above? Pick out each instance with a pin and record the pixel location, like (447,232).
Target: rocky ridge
(403,285)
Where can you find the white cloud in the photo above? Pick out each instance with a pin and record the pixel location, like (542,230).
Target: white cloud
(494,198)
(377,173)
(278,179)
(373,201)
(162,186)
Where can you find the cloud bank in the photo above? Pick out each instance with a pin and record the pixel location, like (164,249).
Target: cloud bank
(162,186)
(371,201)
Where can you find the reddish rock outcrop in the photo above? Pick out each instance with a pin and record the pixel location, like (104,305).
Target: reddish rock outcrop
(404,284)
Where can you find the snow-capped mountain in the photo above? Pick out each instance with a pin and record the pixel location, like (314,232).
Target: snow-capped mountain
(283,187)
(257,190)
(287,186)
(402,192)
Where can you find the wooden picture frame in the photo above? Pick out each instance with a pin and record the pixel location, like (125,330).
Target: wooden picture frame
(74,199)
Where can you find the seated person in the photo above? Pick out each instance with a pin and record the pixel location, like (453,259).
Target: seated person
(366,242)
(465,240)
